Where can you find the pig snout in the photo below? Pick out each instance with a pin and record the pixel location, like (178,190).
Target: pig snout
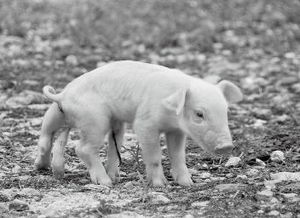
(223,149)
(219,143)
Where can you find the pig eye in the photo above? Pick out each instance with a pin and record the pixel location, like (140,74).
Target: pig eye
(198,117)
(199,114)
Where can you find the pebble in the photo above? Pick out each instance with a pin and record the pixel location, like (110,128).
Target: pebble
(200,204)
(205,175)
(273,213)
(18,205)
(241,177)
(188,216)
(287,215)
(4,197)
(260,162)
(3,208)
(230,187)
(24,98)
(158,198)
(252,172)
(16,169)
(277,156)
(72,60)
(100,188)
(233,161)
(296,87)
(286,176)
(129,185)
(265,195)
(29,192)
(125,214)
(291,197)
(41,107)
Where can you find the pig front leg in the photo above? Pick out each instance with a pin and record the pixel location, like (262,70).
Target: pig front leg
(92,140)
(176,149)
(113,163)
(52,121)
(151,152)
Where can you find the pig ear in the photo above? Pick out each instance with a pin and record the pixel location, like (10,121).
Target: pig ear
(176,101)
(231,92)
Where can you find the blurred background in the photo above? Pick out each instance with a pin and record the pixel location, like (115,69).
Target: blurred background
(198,36)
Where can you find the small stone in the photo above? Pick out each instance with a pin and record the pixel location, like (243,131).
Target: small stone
(205,166)
(260,211)
(260,162)
(99,188)
(273,213)
(231,187)
(4,197)
(41,107)
(287,215)
(200,204)
(229,175)
(188,216)
(277,156)
(270,184)
(205,175)
(158,198)
(286,176)
(217,178)
(252,172)
(265,195)
(125,214)
(242,177)
(3,208)
(129,185)
(233,161)
(296,87)
(16,169)
(29,192)
(35,121)
(291,197)
(24,98)
(72,60)
(18,205)
(290,55)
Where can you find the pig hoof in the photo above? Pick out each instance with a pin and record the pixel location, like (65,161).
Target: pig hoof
(100,179)
(58,173)
(185,181)
(115,177)
(58,169)
(159,182)
(41,164)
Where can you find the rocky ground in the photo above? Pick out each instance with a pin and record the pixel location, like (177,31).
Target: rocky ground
(253,43)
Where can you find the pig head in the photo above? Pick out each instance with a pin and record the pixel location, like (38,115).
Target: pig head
(202,113)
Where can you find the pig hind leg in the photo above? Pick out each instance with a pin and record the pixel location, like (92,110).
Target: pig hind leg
(58,160)
(53,120)
(93,132)
(151,152)
(113,161)
(176,149)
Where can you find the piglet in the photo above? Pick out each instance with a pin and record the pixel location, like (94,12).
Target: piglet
(156,100)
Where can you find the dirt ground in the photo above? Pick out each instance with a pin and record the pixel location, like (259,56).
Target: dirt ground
(252,43)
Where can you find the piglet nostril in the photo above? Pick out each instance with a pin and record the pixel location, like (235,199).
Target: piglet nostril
(223,149)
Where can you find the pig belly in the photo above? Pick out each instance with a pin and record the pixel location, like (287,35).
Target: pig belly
(123,111)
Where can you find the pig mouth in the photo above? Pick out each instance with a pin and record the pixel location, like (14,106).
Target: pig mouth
(210,148)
